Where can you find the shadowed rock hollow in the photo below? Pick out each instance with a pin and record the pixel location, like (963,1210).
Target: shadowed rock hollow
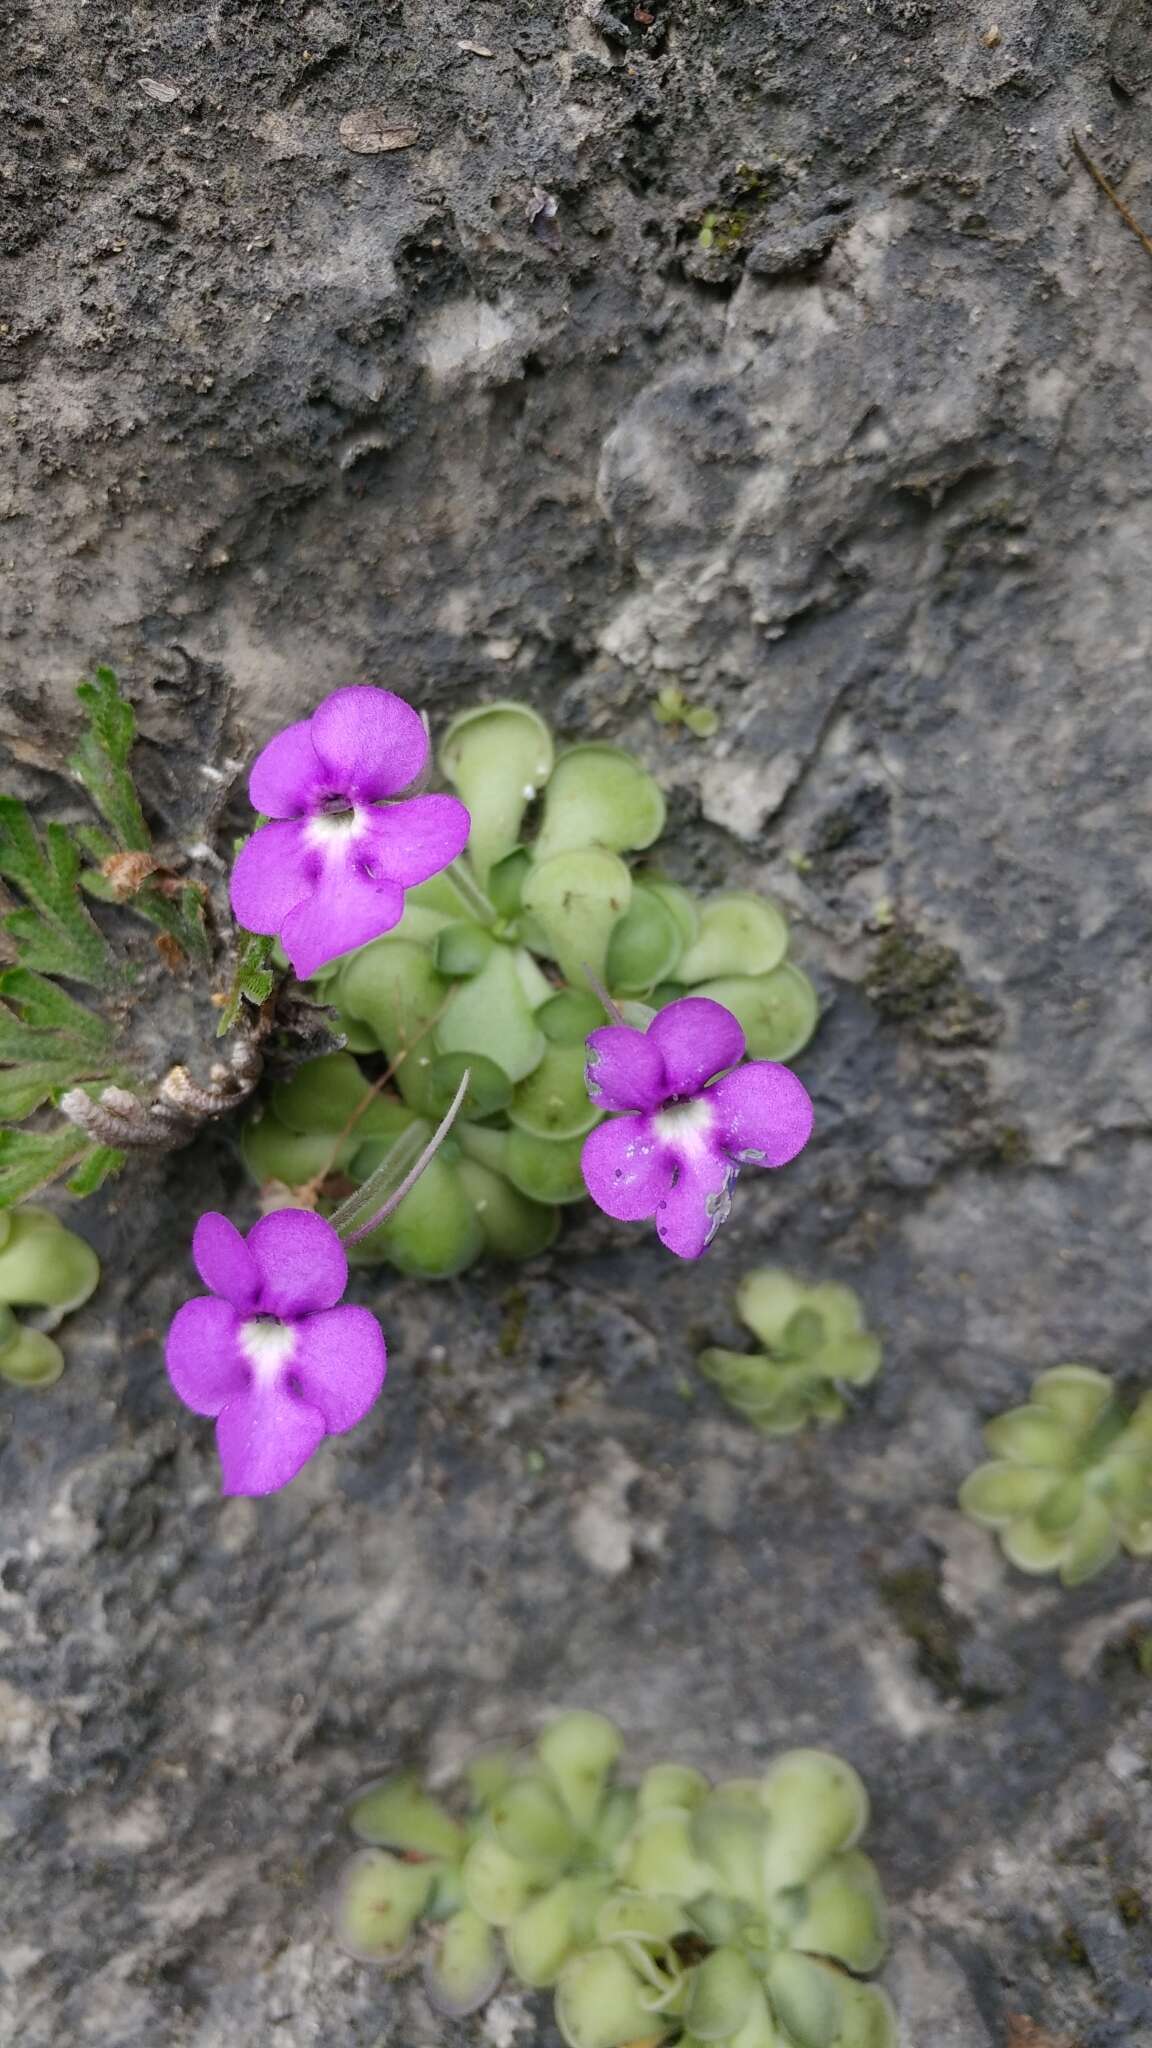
(785,352)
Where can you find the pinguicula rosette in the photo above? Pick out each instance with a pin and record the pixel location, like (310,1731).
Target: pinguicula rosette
(328,873)
(269,1352)
(670,1912)
(1070,1482)
(679,1135)
(490,968)
(814,1345)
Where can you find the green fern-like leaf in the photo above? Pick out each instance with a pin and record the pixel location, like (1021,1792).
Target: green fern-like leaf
(253,979)
(101,760)
(102,1161)
(44,1007)
(30,1159)
(54,933)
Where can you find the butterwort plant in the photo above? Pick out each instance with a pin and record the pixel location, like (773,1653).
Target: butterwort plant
(328,869)
(687,1113)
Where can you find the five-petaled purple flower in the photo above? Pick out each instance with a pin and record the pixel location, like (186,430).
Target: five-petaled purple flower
(268,1352)
(675,1152)
(331,870)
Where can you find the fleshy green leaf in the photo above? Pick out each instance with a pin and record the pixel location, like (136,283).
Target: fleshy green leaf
(806,1998)
(599,795)
(491,1014)
(1076,1393)
(466,1966)
(659,1856)
(739,934)
(645,945)
(672,1785)
(553,1927)
(723,1995)
(513,1227)
(579,1751)
(1092,1543)
(31,1359)
(495,1884)
(996,1494)
(434,1233)
(461,949)
(379,1901)
(530,1823)
(578,898)
(567,1018)
(321,1095)
(498,757)
(1032,1436)
(600,2003)
(42,1265)
(553,1100)
(397,1813)
(843,1913)
(817,1806)
(544,1169)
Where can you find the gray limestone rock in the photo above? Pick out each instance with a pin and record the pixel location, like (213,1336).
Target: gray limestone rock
(278,416)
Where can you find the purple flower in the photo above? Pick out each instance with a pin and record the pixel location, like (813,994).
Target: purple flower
(675,1152)
(330,873)
(268,1352)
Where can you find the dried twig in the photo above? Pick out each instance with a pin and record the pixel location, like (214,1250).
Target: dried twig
(1110,192)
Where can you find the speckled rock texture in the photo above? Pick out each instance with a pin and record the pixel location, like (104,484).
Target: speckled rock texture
(787,352)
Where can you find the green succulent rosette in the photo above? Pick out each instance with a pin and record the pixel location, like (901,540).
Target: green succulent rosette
(676,1911)
(46,1268)
(815,1344)
(1070,1482)
(493,968)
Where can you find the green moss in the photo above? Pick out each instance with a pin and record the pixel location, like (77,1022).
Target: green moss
(515,1306)
(918,981)
(913,1597)
(1072,1948)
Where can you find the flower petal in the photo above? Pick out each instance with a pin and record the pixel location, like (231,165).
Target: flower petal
(224,1261)
(626,1170)
(345,910)
(287,779)
(204,1361)
(302,1264)
(412,841)
(763,1113)
(696,1038)
(273,872)
(339,1364)
(265,1436)
(369,741)
(624,1070)
(697,1204)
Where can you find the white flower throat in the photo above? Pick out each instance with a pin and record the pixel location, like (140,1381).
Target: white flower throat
(685,1125)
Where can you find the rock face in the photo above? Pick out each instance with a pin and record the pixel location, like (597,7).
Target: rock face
(786,351)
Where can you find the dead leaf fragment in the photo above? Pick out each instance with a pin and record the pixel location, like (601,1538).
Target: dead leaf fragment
(369,132)
(475,49)
(128,872)
(1024,2033)
(159,89)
